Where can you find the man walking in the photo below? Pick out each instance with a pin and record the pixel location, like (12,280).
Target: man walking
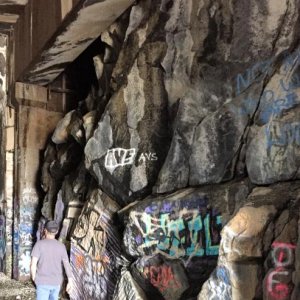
(47,260)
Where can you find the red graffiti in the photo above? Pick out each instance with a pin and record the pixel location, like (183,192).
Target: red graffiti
(79,261)
(282,255)
(162,277)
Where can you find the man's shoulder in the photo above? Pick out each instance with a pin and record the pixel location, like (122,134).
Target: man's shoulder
(50,241)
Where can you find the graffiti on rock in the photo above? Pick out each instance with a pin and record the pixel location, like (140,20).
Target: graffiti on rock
(95,249)
(90,235)
(162,277)
(244,80)
(293,84)
(89,275)
(187,233)
(276,106)
(281,135)
(273,106)
(119,157)
(278,287)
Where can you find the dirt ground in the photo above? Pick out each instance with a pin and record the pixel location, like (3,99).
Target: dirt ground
(15,290)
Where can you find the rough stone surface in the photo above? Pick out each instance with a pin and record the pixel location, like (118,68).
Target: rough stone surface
(167,276)
(95,249)
(69,125)
(242,236)
(178,225)
(258,231)
(127,288)
(180,180)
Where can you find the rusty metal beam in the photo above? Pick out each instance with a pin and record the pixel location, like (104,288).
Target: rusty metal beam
(87,20)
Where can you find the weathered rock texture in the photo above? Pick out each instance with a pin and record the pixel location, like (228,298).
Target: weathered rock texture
(193,127)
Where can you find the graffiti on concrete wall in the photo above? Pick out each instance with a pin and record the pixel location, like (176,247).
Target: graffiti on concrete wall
(3,74)
(24,263)
(187,232)
(119,157)
(28,206)
(278,280)
(2,242)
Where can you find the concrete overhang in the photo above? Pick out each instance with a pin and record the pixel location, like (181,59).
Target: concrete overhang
(9,18)
(13,2)
(78,30)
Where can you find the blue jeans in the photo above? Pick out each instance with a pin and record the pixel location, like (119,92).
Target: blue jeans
(47,292)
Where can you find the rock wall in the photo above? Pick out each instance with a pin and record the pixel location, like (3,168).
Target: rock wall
(177,177)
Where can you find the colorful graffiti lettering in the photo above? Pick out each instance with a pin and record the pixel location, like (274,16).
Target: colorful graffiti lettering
(162,277)
(188,234)
(282,256)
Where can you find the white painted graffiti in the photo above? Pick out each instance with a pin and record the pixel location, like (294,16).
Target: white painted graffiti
(218,290)
(24,263)
(93,279)
(119,157)
(29,196)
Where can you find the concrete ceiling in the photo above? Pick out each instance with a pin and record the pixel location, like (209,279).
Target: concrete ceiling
(82,21)
(13,2)
(85,25)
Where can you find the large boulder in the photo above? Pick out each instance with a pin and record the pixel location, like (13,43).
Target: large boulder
(262,230)
(274,140)
(167,276)
(96,249)
(125,153)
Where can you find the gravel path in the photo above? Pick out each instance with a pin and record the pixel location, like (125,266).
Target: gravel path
(15,290)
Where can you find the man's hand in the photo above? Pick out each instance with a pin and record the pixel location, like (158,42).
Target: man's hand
(70,286)
(33,267)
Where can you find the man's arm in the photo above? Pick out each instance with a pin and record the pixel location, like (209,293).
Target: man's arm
(33,266)
(67,267)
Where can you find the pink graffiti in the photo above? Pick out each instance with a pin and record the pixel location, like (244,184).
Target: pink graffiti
(282,255)
(162,277)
